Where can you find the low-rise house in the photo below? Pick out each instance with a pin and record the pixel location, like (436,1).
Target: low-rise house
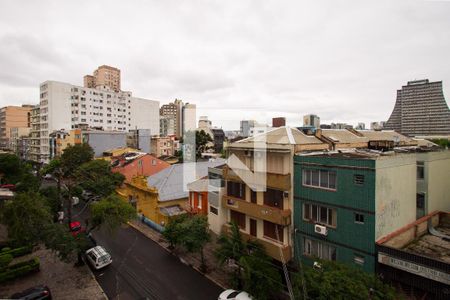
(132,164)
(417,257)
(163,146)
(165,194)
(198,196)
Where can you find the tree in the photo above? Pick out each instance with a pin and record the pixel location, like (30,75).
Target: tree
(196,235)
(14,171)
(201,143)
(338,281)
(174,230)
(254,272)
(110,213)
(52,199)
(74,156)
(95,176)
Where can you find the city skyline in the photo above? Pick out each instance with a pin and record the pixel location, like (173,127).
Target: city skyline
(246,61)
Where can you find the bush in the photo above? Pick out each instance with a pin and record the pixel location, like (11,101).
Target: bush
(6,249)
(5,259)
(18,251)
(20,269)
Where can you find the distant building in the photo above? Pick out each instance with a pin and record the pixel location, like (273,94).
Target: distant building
(341,126)
(278,122)
(311,120)
(65,106)
(102,141)
(163,146)
(246,126)
(104,76)
(19,141)
(218,138)
(420,109)
(34,143)
(140,139)
(166,125)
(376,126)
(184,116)
(361,126)
(13,116)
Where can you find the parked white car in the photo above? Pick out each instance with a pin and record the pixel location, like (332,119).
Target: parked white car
(98,257)
(234,295)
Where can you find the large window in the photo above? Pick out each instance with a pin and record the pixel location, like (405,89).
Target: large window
(270,231)
(273,198)
(319,214)
(236,189)
(238,218)
(320,178)
(318,249)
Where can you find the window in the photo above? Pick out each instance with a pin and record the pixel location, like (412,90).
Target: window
(420,200)
(213,210)
(236,189)
(273,231)
(319,214)
(358,259)
(318,249)
(253,196)
(420,170)
(238,218)
(153,162)
(273,198)
(320,178)
(253,227)
(359,218)
(358,179)
(200,200)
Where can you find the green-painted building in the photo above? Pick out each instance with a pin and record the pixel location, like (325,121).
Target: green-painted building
(344,202)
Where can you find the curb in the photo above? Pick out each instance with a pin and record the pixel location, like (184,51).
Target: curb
(96,282)
(179,258)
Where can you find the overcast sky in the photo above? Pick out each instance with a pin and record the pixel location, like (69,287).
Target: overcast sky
(342,60)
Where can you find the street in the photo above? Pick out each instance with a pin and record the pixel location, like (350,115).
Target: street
(142,269)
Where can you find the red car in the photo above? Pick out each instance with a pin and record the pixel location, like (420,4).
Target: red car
(10,187)
(75,228)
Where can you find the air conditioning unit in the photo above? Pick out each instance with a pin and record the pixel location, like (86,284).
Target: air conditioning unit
(320,229)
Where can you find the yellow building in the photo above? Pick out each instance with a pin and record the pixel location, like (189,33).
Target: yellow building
(164,194)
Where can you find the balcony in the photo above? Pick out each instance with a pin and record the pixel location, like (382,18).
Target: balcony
(280,252)
(273,180)
(263,212)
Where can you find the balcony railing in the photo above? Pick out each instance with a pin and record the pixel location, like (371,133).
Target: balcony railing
(280,252)
(273,180)
(264,212)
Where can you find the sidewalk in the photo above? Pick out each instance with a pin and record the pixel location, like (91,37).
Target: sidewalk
(64,280)
(215,273)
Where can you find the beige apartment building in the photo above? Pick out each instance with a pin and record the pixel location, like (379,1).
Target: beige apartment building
(104,76)
(163,146)
(13,116)
(266,216)
(183,114)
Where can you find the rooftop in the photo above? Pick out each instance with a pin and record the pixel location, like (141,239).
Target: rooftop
(282,136)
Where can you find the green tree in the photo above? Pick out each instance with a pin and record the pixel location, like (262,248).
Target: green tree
(110,213)
(11,170)
(74,156)
(338,281)
(196,235)
(444,143)
(174,230)
(52,199)
(201,143)
(255,271)
(95,176)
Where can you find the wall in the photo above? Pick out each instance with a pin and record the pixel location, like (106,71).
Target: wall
(144,114)
(395,199)
(103,140)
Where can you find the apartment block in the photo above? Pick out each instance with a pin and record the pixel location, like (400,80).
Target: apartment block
(19,141)
(166,126)
(265,214)
(420,109)
(13,116)
(183,115)
(311,120)
(163,146)
(104,76)
(34,144)
(346,200)
(65,106)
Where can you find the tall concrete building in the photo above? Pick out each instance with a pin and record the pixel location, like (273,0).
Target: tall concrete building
(166,125)
(104,76)
(246,125)
(420,109)
(184,116)
(66,106)
(311,120)
(11,117)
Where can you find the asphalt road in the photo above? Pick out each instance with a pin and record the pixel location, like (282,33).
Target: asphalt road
(142,269)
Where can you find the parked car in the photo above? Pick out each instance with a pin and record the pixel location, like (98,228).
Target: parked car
(35,293)
(98,257)
(10,187)
(234,295)
(76,228)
